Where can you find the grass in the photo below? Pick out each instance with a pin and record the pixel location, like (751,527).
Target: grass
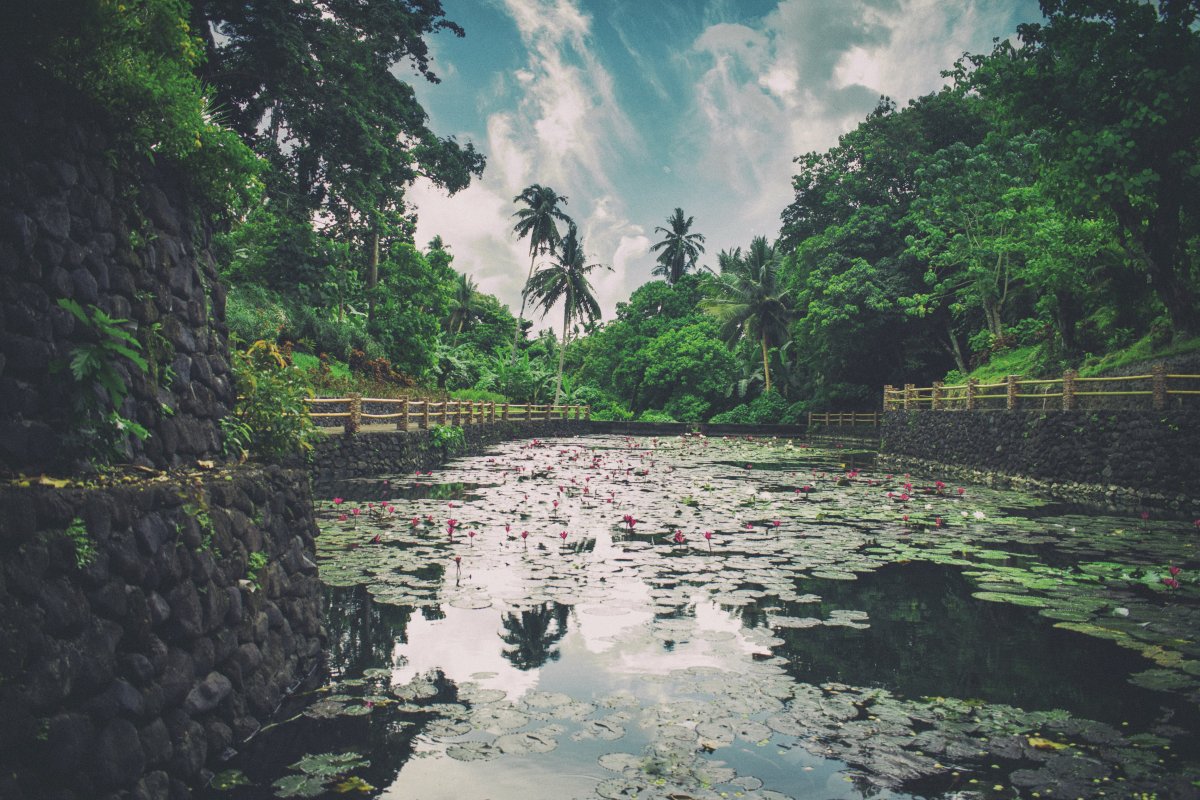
(1029,362)
(1141,350)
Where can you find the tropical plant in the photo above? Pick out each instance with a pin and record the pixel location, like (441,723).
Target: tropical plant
(749,302)
(679,249)
(464,305)
(97,367)
(270,405)
(566,280)
(537,222)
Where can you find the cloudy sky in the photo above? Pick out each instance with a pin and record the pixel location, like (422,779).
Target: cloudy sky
(633,107)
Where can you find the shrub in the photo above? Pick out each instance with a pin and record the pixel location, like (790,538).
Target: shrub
(270,404)
(449,437)
(650,415)
(254,313)
(766,409)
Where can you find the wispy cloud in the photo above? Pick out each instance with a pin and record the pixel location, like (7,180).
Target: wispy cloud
(729,101)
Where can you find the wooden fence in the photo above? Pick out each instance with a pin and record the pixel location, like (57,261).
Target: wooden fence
(843,418)
(1065,392)
(403,412)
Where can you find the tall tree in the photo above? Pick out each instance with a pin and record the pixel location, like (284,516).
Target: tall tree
(1113,83)
(679,249)
(313,88)
(537,222)
(464,305)
(750,303)
(566,280)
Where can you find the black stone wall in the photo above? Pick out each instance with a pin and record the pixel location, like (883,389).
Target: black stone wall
(132,675)
(340,457)
(124,239)
(1126,457)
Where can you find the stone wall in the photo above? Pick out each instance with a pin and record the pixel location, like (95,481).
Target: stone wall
(1131,458)
(132,674)
(124,240)
(340,457)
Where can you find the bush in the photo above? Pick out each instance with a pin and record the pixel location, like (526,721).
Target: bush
(766,409)
(688,408)
(651,415)
(271,414)
(254,313)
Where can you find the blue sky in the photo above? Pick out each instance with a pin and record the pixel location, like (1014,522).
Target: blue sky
(633,107)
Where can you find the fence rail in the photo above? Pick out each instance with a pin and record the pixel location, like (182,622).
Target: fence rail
(1044,393)
(842,418)
(423,413)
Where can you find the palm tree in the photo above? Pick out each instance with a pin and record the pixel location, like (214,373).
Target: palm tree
(464,304)
(537,222)
(679,250)
(566,279)
(748,301)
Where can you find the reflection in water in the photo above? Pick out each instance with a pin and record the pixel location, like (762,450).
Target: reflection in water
(362,633)
(532,634)
(792,648)
(928,637)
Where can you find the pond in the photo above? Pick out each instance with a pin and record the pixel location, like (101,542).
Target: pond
(613,617)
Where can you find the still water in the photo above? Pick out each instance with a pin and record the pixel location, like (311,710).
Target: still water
(716,618)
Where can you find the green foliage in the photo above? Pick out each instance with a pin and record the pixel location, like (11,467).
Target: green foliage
(81,542)
(271,403)
(137,62)
(767,409)
(478,396)
(679,249)
(655,416)
(449,437)
(255,563)
(101,387)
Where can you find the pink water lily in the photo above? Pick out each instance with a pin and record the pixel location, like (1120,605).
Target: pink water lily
(678,537)
(337,501)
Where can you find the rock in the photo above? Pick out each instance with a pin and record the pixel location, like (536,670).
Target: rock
(156,743)
(208,693)
(118,760)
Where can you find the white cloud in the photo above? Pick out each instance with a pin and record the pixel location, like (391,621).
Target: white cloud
(564,131)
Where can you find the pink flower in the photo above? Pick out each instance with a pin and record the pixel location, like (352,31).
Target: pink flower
(776,522)
(524,534)
(341,517)
(337,501)
(678,538)
(1170,583)
(1145,515)
(961,490)
(708,535)
(1174,570)
(939,522)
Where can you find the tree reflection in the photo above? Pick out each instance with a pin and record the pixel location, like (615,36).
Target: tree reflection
(531,635)
(362,633)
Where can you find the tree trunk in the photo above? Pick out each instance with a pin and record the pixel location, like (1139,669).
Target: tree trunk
(521,316)
(372,275)
(766,366)
(955,349)
(562,351)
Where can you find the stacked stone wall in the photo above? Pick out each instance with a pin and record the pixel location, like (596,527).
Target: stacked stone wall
(139,643)
(121,238)
(1133,458)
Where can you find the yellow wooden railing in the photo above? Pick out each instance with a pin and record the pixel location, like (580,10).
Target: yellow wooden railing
(843,418)
(1014,392)
(404,413)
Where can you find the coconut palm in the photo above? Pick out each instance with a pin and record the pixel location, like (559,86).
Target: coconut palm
(464,305)
(566,280)
(677,253)
(536,221)
(748,302)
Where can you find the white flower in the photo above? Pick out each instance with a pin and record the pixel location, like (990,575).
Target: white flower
(980,515)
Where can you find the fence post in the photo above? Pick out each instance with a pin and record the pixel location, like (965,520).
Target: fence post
(587,413)
(492,411)
(1068,382)
(403,423)
(504,412)
(972,390)
(354,421)
(887,397)
(1159,387)
(425,415)
(910,391)
(1010,391)
(939,391)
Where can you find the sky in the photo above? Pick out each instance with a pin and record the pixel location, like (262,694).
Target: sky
(632,108)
